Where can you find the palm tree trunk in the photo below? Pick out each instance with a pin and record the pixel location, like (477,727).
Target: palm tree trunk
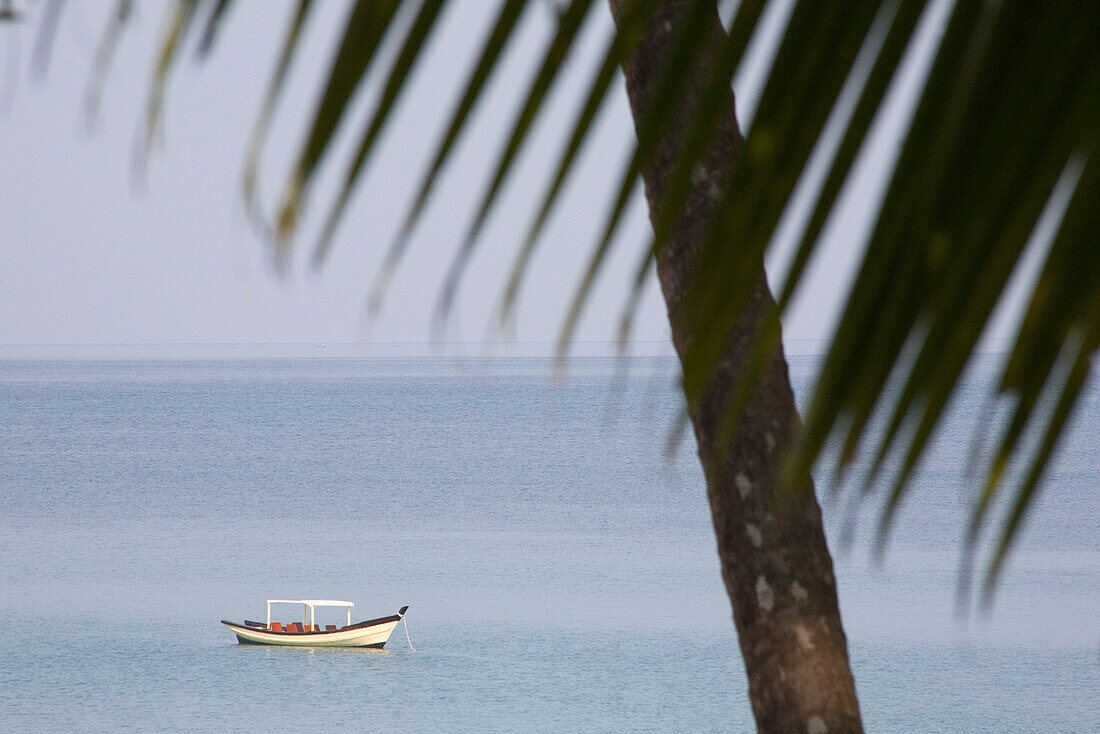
(774,559)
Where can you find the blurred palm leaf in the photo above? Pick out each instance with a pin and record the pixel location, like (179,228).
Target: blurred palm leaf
(1004,135)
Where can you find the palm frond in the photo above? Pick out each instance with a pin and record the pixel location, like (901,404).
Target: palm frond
(618,48)
(179,23)
(569,26)
(105,53)
(1007,109)
(501,33)
(685,50)
(410,52)
(43,43)
(267,110)
(367,26)
(213,26)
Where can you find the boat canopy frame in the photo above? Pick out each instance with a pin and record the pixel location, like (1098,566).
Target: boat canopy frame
(309,607)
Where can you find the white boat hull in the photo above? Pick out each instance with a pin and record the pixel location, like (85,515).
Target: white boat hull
(365,634)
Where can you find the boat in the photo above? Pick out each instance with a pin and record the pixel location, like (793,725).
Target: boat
(307,633)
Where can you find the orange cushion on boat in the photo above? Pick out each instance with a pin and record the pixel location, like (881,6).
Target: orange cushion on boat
(294,627)
(276,627)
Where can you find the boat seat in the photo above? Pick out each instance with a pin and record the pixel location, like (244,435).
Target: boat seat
(311,628)
(330,628)
(276,627)
(294,627)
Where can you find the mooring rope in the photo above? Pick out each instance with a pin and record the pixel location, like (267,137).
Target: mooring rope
(404,621)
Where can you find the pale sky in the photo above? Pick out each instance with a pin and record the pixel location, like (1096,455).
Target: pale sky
(90,256)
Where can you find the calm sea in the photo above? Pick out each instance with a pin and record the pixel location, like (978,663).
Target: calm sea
(559,567)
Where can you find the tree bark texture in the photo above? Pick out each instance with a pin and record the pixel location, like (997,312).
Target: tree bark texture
(773,555)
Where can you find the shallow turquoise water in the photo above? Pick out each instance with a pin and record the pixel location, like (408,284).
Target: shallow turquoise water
(560,570)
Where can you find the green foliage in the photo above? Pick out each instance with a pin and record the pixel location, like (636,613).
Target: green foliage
(1006,129)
